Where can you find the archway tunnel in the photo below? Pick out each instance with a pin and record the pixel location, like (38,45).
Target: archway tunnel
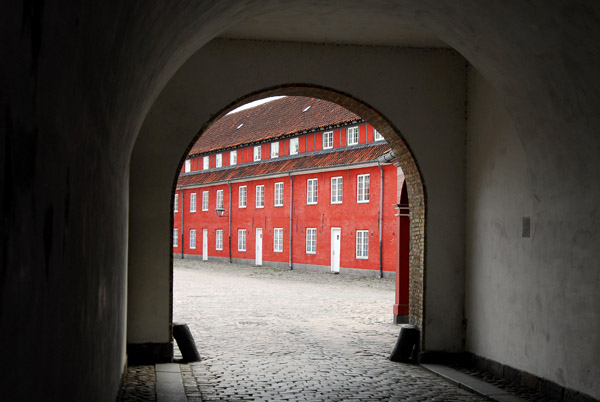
(497,101)
(436,80)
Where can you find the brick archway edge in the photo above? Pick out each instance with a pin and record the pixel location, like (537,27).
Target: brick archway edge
(405,159)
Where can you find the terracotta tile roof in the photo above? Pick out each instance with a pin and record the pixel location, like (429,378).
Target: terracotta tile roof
(271,120)
(339,157)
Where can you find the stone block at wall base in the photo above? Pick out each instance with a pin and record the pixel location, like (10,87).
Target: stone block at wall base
(149,353)
(502,371)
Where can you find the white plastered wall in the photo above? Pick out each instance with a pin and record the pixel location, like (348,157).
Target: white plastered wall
(537,314)
(420,91)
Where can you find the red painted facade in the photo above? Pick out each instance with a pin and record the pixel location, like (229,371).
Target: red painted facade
(309,232)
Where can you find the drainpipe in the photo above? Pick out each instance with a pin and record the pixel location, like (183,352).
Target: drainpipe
(229,217)
(182,212)
(380,221)
(291,217)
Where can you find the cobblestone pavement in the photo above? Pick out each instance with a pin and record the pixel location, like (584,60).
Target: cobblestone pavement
(139,384)
(271,335)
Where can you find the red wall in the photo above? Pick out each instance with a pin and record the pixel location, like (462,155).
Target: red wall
(349,216)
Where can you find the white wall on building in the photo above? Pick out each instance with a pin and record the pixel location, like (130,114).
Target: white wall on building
(530,301)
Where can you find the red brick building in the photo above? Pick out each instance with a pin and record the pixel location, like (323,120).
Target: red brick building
(295,183)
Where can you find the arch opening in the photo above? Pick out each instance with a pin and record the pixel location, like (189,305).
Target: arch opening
(190,101)
(409,204)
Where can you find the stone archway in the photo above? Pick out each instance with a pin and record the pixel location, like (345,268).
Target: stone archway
(403,159)
(407,92)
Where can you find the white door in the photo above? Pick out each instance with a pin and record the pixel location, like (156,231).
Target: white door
(258,246)
(204,244)
(336,233)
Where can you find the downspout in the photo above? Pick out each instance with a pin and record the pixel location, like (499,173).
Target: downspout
(380,221)
(291,216)
(229,217)
(182,212)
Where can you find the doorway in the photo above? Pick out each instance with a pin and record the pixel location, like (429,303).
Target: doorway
(336,234)
(204,244)
(258,248)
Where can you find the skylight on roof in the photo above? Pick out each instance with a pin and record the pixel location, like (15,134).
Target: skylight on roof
(239,126)
(306,108)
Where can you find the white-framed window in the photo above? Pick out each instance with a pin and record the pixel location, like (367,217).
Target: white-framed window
(278,240)
(205,162)
(242,240)
(176,203)
(377,135)
(311,241)
(352,135)
(219,239)
(193,239)
(328,139)
(242,197)
(337,190)
(219,198)
(294,146)
(279,194)
(260,196)
(233,157)
(219,160)
(193,202)
(362,188)
(205,200)
(188,165)
(275,149)
(312,191)
(362,244)
(257,155)
(175,238)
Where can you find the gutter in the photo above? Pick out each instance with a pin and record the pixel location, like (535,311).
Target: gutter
(386,158)
(291,216)
(380,220)
(229,218)
(182,212)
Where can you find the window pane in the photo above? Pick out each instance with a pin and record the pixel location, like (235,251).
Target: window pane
(278,194)
(294,146)
(205,200)
(242,197)
(363,188)
(311,240)
(193,202)
(219,198)
(260,196)
(257,151)
(311,191)
(328,139)
(352,135)
(193,239)
(274,149)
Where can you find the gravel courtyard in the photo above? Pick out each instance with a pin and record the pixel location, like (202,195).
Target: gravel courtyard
(276,335)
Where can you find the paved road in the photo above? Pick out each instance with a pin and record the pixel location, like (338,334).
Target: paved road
(272,335)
